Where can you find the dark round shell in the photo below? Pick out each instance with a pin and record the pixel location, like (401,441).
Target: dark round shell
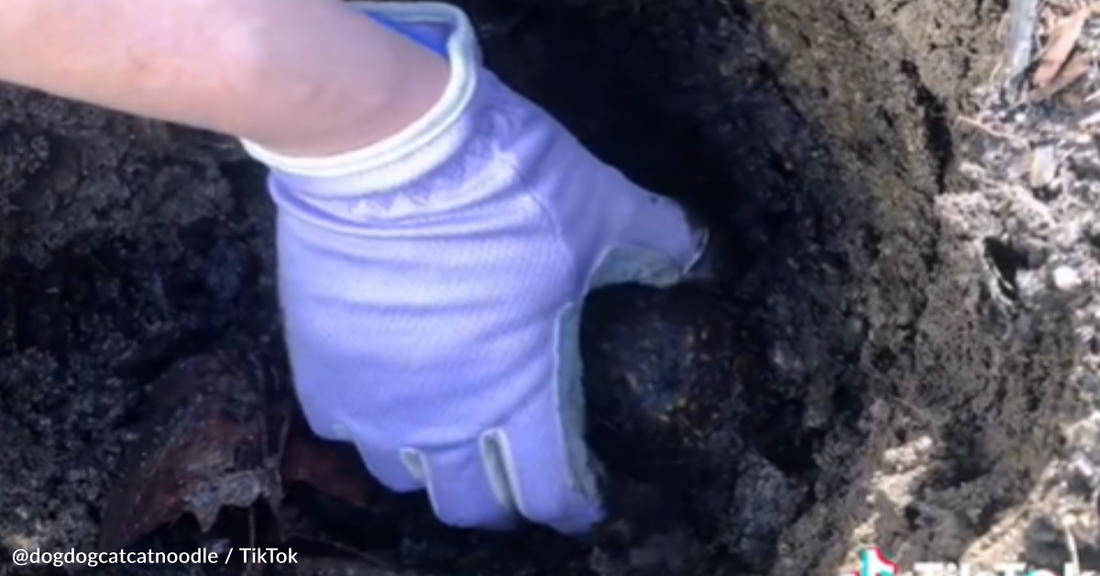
(659,380)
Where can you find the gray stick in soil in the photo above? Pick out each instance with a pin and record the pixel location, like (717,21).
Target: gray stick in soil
(1023,18)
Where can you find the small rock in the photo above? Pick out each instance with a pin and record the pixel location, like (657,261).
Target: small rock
(1042,167)
(1066,278)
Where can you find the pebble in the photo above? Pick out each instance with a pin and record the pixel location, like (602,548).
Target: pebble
(1066,278)
(1043,167)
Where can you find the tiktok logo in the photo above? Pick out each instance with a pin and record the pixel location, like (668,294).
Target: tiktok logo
(872,562)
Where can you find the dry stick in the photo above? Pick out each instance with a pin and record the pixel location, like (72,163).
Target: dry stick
(1021,142)
(1071,543)
(363,556)
(1089,120)
(1022,18)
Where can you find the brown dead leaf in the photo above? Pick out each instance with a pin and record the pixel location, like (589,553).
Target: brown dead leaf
(213,438)
(331,468)
(1061,42)
(224,431)
(1073,71)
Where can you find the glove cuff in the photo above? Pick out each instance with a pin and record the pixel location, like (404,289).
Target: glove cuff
(438,47)
(463,54)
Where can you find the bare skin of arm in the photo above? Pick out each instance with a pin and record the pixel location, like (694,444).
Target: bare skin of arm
(302,78)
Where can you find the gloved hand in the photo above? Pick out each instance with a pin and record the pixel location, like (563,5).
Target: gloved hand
(431,287)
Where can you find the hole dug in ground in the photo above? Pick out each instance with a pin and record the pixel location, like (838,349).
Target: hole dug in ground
(854,378)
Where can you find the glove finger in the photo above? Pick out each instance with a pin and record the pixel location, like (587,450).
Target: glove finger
(461,489)
(541,452)
(546,487)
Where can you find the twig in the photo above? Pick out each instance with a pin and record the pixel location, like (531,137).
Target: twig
(1023,16)
(360,554)
(992,131)
(1071,543)
(1089,120)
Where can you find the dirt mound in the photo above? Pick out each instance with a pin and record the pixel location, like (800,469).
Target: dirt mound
(905,367)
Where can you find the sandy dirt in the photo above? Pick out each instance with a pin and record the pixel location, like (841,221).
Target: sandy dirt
(907,368)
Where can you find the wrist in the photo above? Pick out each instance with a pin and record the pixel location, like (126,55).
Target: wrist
(379,146)
(335,81)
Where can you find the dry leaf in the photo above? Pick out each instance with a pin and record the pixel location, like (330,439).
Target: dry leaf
(224,431)
(1077,67)
(211,440)
(1060,43)
(333,469)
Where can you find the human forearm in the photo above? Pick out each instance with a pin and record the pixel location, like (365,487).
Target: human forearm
(301,77)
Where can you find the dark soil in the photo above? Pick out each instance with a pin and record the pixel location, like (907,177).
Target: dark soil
(874,390)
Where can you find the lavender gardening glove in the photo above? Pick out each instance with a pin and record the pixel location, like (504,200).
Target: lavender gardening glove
(432,286)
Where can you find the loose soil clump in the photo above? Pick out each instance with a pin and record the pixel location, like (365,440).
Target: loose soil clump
(899,349)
